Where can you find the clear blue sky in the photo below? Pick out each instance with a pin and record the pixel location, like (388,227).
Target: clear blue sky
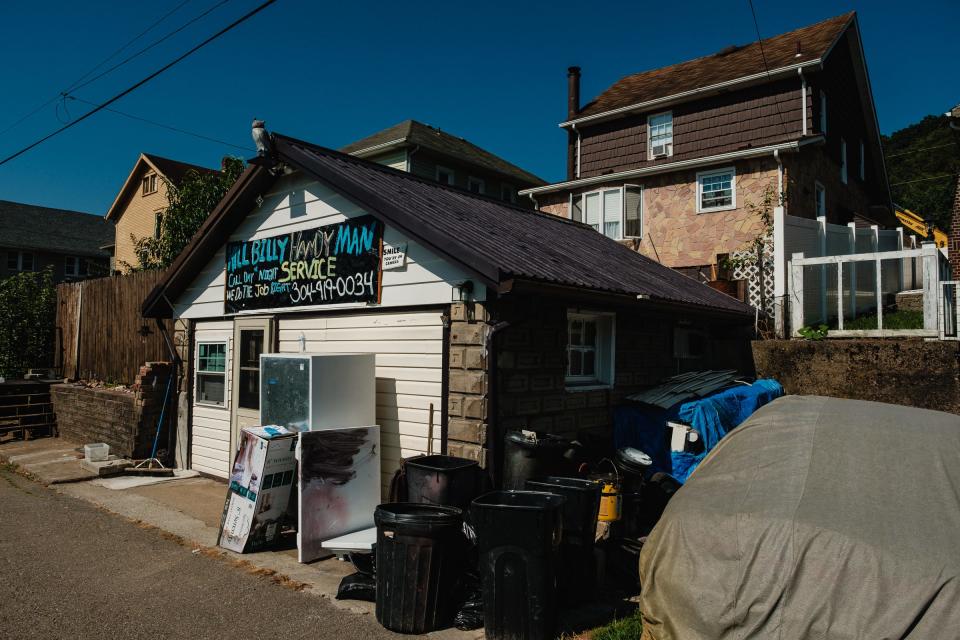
(332,72)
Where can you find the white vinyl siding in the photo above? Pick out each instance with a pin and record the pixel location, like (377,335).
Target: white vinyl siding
(660,135)
(210,450)
(393,159)
(296,203)
(716,190)
(409,358)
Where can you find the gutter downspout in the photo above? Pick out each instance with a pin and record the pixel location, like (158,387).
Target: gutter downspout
(536,205)
(410,155)
(803,97)
(576,173)
(494,436)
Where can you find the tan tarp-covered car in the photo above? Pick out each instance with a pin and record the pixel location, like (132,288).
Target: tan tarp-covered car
(815,518)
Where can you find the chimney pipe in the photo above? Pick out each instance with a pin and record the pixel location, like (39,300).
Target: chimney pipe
(573,92)
(573,108)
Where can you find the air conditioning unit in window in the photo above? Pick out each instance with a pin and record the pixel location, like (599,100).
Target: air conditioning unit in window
(661,150)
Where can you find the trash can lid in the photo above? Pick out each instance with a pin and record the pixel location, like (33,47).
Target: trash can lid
(519,500)
(440,463)
(408,513)
(576,484)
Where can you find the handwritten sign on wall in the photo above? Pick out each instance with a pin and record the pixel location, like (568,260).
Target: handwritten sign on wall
(333,264)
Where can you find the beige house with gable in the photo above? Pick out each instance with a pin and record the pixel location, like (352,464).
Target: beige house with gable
(139,206)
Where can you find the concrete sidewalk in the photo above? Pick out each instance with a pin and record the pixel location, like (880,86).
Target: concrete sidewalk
(188,508)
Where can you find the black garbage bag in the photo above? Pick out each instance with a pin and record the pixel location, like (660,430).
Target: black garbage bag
(358,586)
(470,614)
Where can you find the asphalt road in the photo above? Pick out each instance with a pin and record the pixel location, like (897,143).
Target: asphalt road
(70,570)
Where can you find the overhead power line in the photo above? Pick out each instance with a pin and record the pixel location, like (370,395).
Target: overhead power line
(165,126)
(139,84)
(946,175)
(38,108)
(906,153)
(763,56)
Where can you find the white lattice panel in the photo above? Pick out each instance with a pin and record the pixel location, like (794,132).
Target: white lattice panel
(758,275)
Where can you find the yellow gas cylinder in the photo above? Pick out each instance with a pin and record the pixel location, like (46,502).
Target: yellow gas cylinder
(609,503)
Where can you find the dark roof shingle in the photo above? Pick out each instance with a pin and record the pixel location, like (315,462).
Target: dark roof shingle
(499,240)
(28,226)
(174,170)
(728,64)
(417,133)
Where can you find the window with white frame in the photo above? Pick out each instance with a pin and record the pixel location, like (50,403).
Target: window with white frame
(863,161)
(716,190)
(821,199)
(823,112)
(476,185)
(211,378)
(508,193)
(74,266)
(590,349)
(660,135)
(444,175)
(21,261)
(616,212)
(158,224)
(149,184)
(843,161)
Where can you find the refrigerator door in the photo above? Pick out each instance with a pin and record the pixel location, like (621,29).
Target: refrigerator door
(285,392)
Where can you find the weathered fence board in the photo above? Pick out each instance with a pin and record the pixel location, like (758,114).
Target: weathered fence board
(101,332)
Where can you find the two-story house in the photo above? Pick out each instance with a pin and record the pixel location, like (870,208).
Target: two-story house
(138,208)
(669,160)
(34,238)
(434,154)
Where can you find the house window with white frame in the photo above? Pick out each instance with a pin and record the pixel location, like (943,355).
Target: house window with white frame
(74,266)
(211,378)
(476,185)
(843,161)
(444,175)
(508,193)
(716,190)
(158,224)
(823,111)
(615,212)
(821,199)
(660,135)
(590,349)
(149,184)
(21,261)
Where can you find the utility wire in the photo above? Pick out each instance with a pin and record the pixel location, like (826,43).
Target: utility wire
(763,56)
(97,66)
(139,84)
(946,175)
(133,56)
(164,126)
(906,153)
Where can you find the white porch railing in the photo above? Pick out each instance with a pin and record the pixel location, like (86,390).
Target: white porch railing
(934,268)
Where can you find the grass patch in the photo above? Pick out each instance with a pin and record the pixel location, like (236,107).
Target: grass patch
(893,320)
(623,629)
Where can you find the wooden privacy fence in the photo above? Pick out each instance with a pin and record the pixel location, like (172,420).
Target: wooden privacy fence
(101,334)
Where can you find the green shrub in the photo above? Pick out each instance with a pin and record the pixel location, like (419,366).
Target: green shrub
(28,304)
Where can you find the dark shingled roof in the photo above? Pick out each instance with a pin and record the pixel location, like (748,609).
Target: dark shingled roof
(28,226)
(412,132)
(729,64)
(498,240)
(501,244)
(174,170)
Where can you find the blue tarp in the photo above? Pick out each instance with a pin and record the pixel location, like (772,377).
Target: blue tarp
(645,428)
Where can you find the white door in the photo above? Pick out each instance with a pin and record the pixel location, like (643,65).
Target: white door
(251,337)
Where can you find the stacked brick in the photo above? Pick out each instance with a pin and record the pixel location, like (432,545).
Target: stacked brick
(467,403)
(124,419)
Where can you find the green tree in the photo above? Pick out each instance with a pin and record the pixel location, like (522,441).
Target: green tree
(190,203)
(28,309)
(922,163)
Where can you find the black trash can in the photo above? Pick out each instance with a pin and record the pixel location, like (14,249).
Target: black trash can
(528,457)
(420,550)
(578,572)
(442,480)
(519,535)
(634,467)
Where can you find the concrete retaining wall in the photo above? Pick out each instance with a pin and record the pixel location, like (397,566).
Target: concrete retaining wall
(912,372)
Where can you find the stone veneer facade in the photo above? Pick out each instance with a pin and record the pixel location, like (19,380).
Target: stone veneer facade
(673,232)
